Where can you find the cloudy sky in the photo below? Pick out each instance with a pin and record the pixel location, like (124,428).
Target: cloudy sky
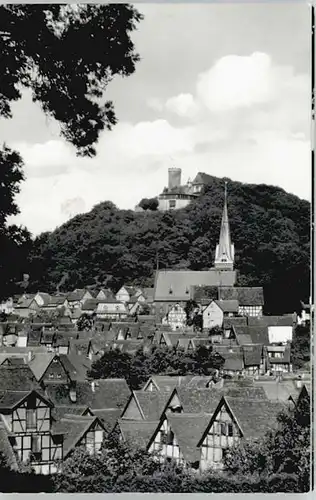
(222,89)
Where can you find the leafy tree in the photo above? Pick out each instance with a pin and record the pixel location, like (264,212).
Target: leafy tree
(14,241)
(117,468)
(285,451)
(149,203)
(137,368)
(85,322)
(66,55)
(49,49)
(122,246)
(300,347)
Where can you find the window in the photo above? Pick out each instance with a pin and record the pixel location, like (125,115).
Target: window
(172,203)
(58,375)
(31,419)
(170,437)
(230,430)
(36,447)
(223,429)
(50,375)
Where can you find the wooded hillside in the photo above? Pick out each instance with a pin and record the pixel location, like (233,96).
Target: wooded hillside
(107,246)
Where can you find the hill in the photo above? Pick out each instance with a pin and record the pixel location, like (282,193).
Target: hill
(270,229)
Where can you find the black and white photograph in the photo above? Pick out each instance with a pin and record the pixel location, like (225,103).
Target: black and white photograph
(156,229)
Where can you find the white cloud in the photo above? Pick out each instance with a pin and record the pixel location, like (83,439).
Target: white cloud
(236,81)
(249,122)
(183,105)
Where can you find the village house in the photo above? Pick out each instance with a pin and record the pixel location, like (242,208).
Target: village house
(250,299)
(125,294)
(233,420)
(7,306)
(77,298)
(111,309)
(176,317)
(176,438)
(26,307)
(80,430)
(105,293)
(216,310)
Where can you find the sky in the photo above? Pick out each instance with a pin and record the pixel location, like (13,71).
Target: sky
(221,89)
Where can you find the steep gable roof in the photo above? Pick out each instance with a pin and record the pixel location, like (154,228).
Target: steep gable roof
(246,296)
(74,427)
(165,383)
(252,354)
(228,305)
(137,432)
(17,378)
(255,418)
(40,362)
(188,429)
(151,404)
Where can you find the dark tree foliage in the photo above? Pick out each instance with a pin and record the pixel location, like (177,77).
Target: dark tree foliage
(85,322)
(137,368)
(149,203)
(285,451)
(15,241)
(301,347)
(270,230)
(66,56)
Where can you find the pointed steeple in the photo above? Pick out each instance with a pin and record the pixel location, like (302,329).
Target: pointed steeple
(225,253)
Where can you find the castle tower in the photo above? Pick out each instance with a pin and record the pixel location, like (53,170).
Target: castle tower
(174,177)
(225,252)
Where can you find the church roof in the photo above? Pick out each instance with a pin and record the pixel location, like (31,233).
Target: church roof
(175,285)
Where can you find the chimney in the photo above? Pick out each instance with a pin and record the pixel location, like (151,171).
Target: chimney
(174,177)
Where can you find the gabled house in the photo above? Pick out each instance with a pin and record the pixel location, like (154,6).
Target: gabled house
(250,299)
(150,406)
(112,310)
(233,420)
(176,438)
(213,315)
(279,358)
(133,305)
(42,299)
(104,294)
(25,413)
(48,368)
(26,307)
(78,297)
(79,430)
(176,317)
(254,360)
(125,293)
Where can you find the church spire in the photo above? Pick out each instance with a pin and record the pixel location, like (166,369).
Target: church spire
(224,255)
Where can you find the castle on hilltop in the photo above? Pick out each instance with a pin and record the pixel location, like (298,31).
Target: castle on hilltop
(177,196)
